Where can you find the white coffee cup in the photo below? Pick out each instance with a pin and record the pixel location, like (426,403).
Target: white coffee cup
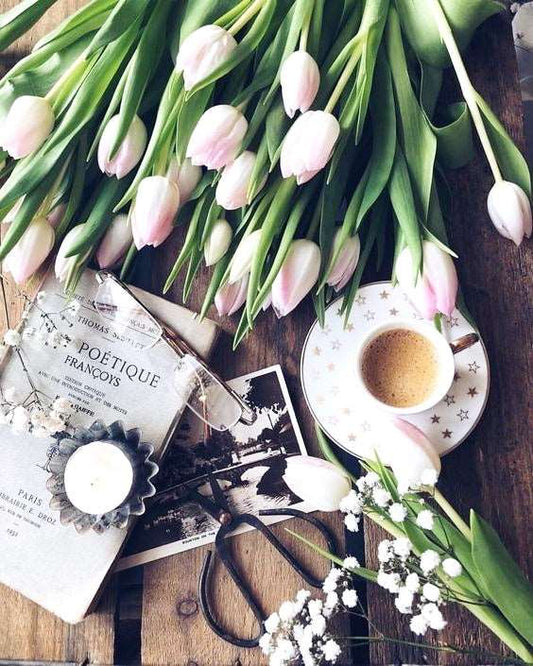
(444,352)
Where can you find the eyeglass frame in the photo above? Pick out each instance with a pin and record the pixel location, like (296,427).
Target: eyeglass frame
(180,347)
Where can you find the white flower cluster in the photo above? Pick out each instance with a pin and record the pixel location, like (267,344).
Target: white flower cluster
(419,595)
(32,416)
(297,633)
(372,494)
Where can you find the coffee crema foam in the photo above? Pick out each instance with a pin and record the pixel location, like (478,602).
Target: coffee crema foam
(400,367)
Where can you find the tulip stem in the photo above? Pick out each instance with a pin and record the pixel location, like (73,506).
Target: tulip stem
(304,35)
(347,72)
(467,88)
(62,87)
(246,16)
(452,514)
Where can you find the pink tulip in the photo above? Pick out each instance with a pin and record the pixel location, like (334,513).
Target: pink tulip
(510,211)
(115,243)
(232,188)
(300,80)
(218,242)
(26,126)
(131,149)
(64,265)
(241,262)
(321,484)
(346,261)
(308,145)
(55,216)
(202,52)
(31,250)
(231,296)
(217,137)
(156,204)
(296,277)
(435,289)
(186,176)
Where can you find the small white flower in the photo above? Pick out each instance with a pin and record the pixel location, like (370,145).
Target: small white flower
(418,625)
(381,496)
(332,599)
(287,611)
(21,419)
(272,623)
(349,598)
(452,567)
(398,512)
(352,522)
(371,479)
(331,651)
(266,644)
(412,582)
(404,601)
(433,616)
(318,625)
(314,607)
(351,503)
(62,405)
(429,560)
(12,338)
(10,394)
(389,581)
(431,592)
(285,649)
(429,477)
(55,338)
(385,553)
(402,547)
(351,562)
(425,519)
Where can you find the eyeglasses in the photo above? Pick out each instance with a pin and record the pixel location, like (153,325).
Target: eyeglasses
(208,396)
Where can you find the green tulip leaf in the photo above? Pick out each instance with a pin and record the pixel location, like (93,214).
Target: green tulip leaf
(510,160)
(125,14)
(18,20)
(464,16)
(276,127)
(189,114)
(509,589)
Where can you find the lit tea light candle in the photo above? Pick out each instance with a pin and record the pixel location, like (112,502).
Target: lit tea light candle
(98,477)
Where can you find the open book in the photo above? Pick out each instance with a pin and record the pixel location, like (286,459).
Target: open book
(48,562)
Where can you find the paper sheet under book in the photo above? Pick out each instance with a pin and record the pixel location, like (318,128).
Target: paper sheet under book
(247,461)
(50,563)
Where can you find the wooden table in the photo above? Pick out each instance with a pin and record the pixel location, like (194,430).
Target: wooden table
(153,615)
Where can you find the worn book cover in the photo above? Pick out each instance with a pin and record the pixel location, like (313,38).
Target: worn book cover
(104,376)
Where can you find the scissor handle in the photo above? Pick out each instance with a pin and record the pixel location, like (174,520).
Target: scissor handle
(227,559)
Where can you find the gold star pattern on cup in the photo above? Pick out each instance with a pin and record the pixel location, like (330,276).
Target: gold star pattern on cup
(435,419)
(472,391)
(317,351)
(384,295)
(449,399)
(349,327)
(360,300)
(369,315)
(463,414)
(473,367)
(447,434)
(393,312)
(335,345)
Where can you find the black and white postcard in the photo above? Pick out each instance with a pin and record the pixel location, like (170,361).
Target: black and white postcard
(247,461)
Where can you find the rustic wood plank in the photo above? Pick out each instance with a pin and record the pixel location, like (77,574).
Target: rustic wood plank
(29,632)
(492,471)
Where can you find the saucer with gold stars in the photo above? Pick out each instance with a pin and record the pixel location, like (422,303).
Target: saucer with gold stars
(328,375)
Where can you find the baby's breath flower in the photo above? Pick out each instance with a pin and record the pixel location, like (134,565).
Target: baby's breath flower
(431,613)
(404,601)
(429,560)
(349,598)
(351,562)
(41,296)
(318,625)
(350,503)
(287,611)
(431,592)
(381,496)
(425,519)
(20,419)
(385,553)
(332,599)
(452,567)
(418,625)
(402,547)
(429,477)
(314,607)
(331,650)
(12,338)
(352,522)
(272,623)
(266,644)
(412,582)
(397,512)
(10,394)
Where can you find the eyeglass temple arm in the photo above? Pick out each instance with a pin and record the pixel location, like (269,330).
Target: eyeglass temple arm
(181,348)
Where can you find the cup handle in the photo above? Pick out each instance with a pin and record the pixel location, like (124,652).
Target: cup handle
(464,342)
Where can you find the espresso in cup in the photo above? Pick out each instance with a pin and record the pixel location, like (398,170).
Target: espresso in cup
(400,367)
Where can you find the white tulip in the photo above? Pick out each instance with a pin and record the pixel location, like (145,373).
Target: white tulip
(319,483)
(241,263)
(217,242)
(510,211)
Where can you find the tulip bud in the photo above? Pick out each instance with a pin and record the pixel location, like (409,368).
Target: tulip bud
(296,277)
(241,263)
(217,137)
(300,80)
(115,243)
(55,216)
(407,450)
(510,211)
(27,125)
(232,188)
(346,262)
(231,297)
(217,242)
(308,145)
(130,151)
(64,264)
(186,176)
(155,208)
(31,250)
(202,52)
(434,290)
(317,482)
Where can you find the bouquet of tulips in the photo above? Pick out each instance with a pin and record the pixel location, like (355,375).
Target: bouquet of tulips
(432,558)
(290,137)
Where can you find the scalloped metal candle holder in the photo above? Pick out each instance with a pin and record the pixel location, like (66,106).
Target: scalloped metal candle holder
(144,469)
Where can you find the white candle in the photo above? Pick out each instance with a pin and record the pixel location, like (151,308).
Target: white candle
(98,477)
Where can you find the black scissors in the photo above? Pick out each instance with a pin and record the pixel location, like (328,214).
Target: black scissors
(218,507)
